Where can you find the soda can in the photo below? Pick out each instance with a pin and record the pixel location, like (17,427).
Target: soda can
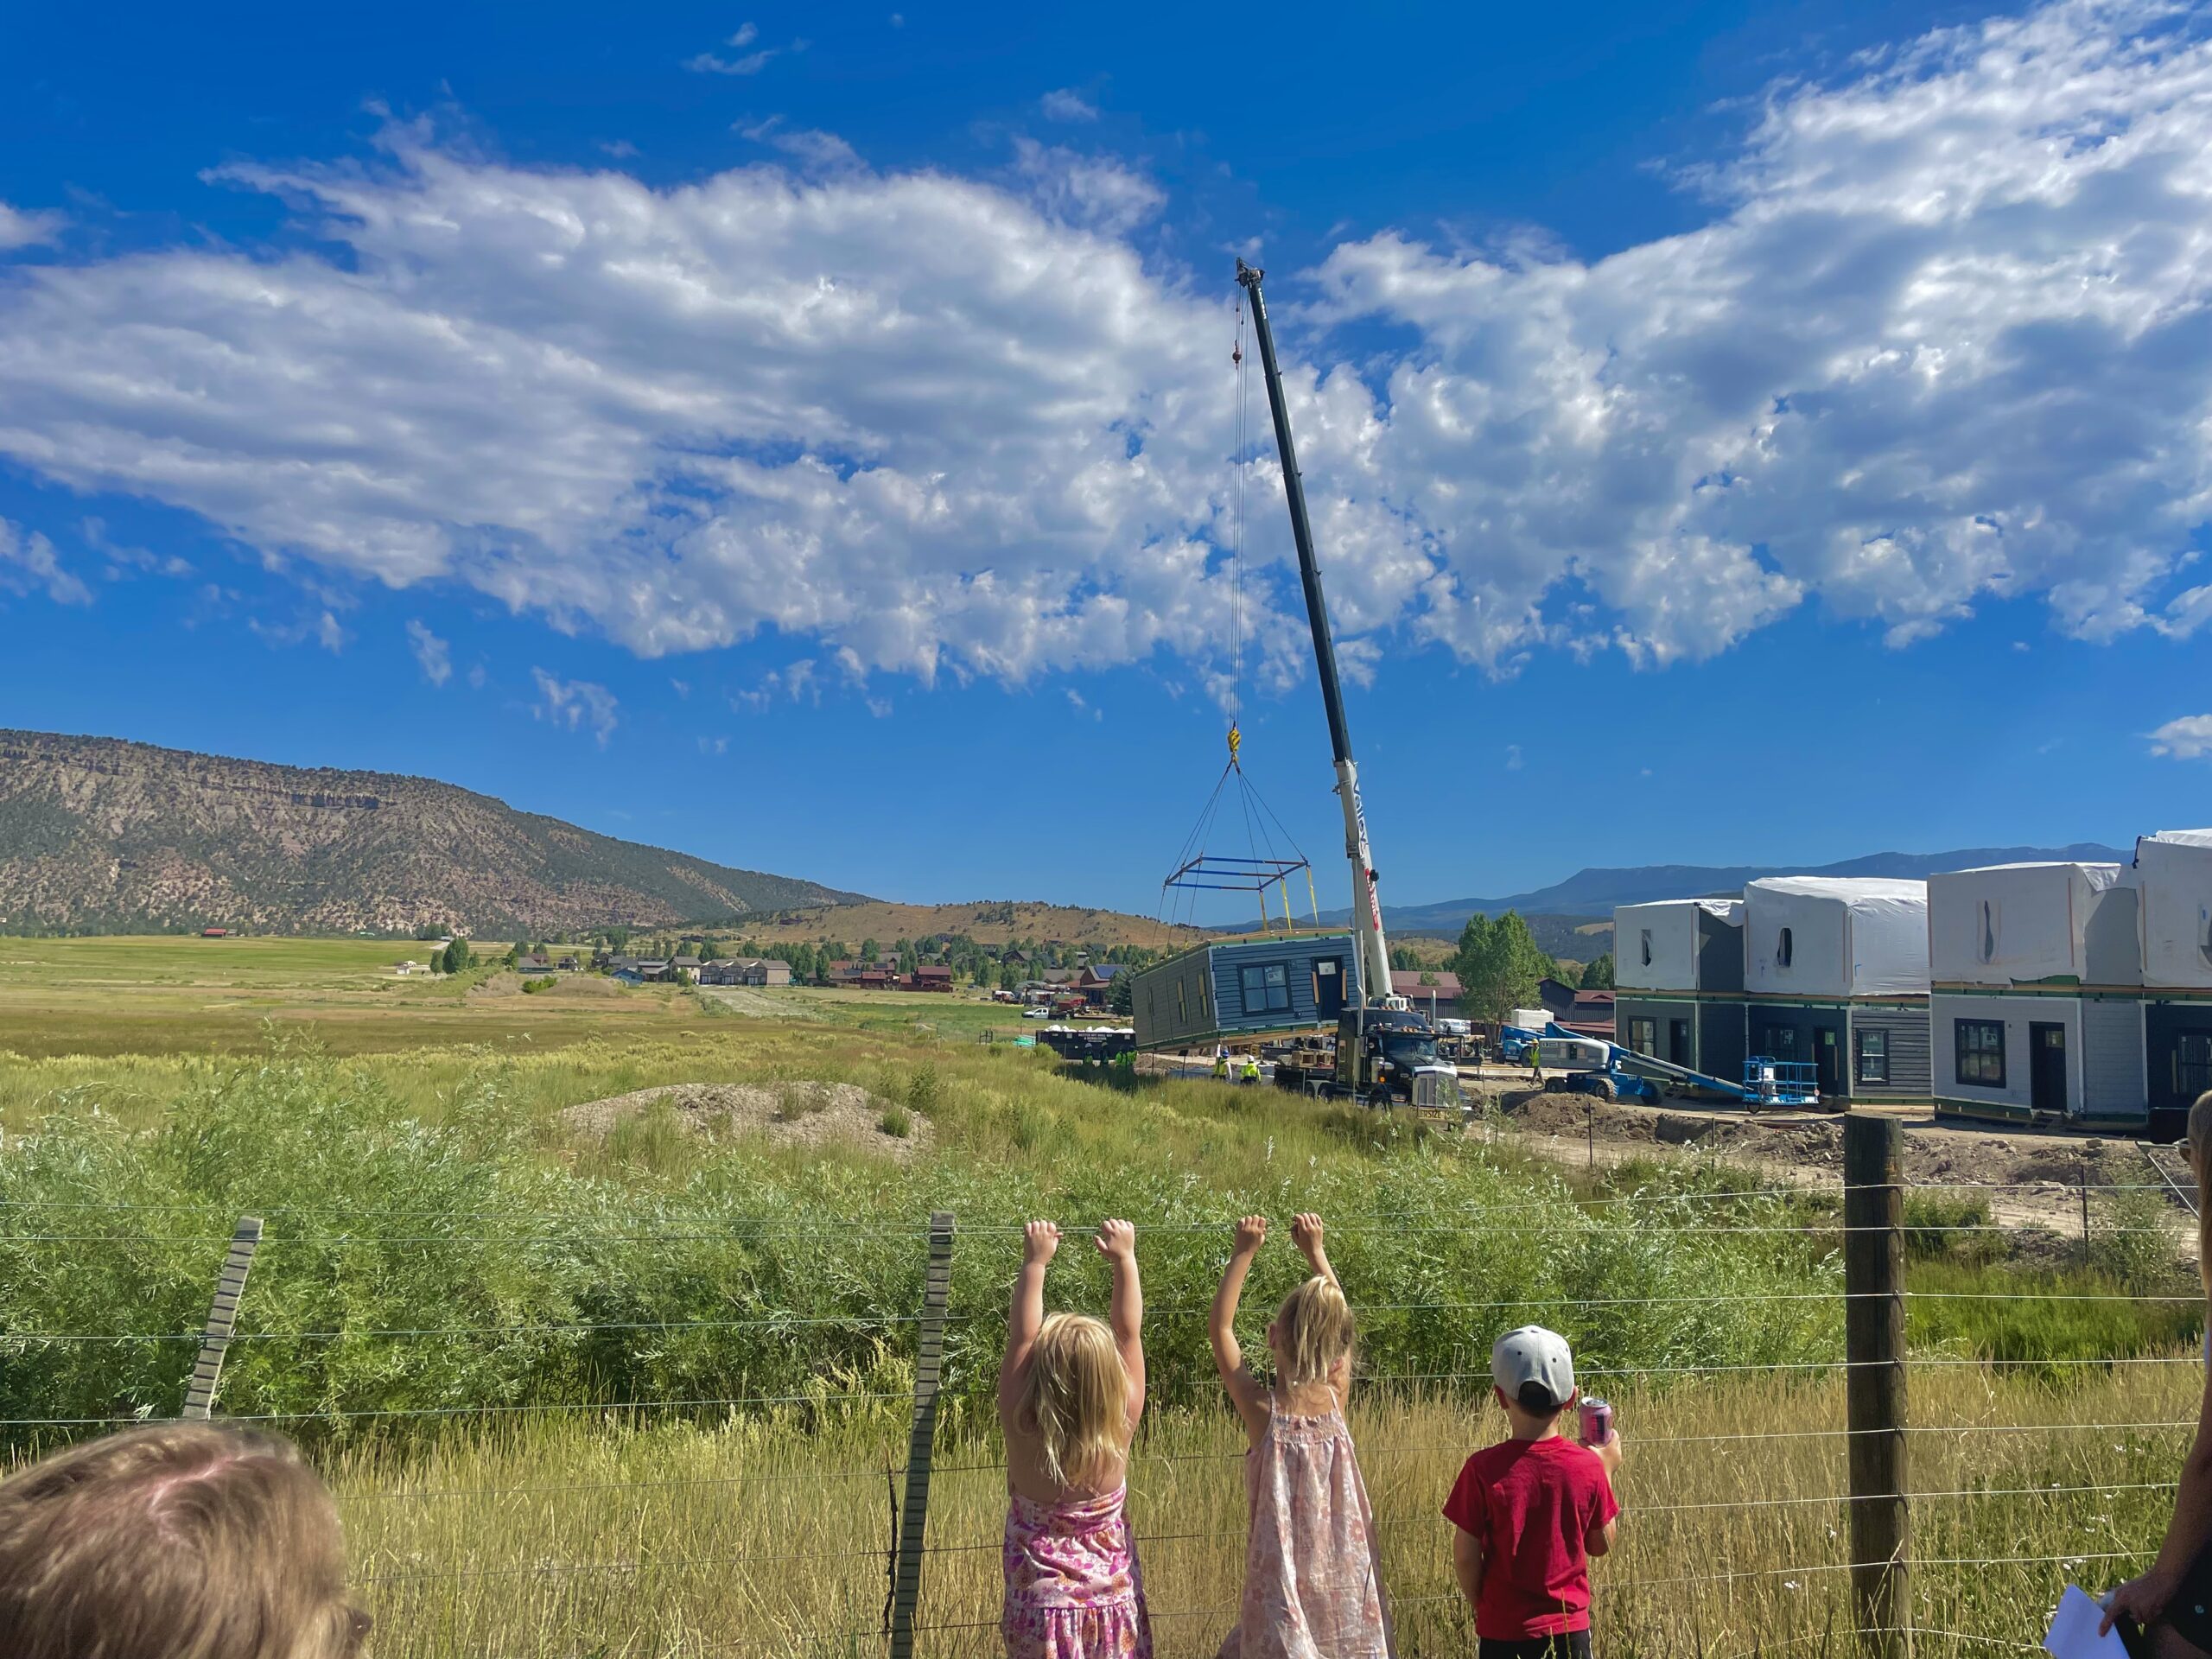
(1597,1422)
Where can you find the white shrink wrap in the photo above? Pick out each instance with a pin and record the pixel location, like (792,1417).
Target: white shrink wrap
(2173,872)
(1826,935)
(1655,946)
(2016,924)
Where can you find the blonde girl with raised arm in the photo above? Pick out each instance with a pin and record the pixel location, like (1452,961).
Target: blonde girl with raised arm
(1070,1393)
(1312,1587)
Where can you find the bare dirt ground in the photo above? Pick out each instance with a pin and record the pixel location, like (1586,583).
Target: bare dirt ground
(2030,1179)
(788,1114)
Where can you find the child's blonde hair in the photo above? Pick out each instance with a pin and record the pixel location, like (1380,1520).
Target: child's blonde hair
(1076,1397)
(1314,1329)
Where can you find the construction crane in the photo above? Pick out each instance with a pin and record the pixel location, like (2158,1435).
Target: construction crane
(1384,1050)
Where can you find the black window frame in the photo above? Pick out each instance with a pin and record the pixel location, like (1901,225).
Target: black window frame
(1647,1027)
(1786,1052)
(1874,1067)
(1974,1056)
(1273,980)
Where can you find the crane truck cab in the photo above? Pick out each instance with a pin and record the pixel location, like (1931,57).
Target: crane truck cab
(1388,1056)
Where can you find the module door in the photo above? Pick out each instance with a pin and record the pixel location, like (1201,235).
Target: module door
(1827,1060)
(1329,986)
(2047,1069)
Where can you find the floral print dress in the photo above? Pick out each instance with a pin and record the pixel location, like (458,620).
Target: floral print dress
(1312,1585)
(1073,1589)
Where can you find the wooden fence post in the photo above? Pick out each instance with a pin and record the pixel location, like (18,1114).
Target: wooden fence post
(222,1319)
(1873,1321)
(914,1512)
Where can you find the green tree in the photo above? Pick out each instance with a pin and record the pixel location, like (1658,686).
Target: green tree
(1121,995)
(1498,965)
(1567,972)
(1599,976)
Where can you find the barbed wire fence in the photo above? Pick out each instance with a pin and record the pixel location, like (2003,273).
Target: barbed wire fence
(1871,1500)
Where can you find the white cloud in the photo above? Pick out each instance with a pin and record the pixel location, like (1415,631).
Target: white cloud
(432,653)
(682,688)
(1943,337)
(714,745)
(2189,738)
(1513,756)
(1066,104)
(805,145)
(29,564)
(751,63)
(21,228)
(576,704)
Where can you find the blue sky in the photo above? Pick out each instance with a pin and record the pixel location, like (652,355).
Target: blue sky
(804,437)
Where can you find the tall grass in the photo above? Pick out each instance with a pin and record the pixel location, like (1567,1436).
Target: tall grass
(770,1537)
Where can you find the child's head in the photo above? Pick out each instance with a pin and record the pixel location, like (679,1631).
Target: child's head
(1076,1396)
(1535,1374)
(1313,1331)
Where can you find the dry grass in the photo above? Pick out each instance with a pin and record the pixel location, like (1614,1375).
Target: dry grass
(652,1542)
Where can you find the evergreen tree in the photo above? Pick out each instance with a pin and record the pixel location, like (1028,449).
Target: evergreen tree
(1121,995)
(1599,976)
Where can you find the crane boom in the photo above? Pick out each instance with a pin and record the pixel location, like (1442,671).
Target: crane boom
(1366,907)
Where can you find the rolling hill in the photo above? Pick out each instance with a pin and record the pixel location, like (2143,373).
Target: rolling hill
(98,834)
(988,922)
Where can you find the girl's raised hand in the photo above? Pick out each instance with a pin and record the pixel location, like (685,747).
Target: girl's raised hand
(1251,1233)
(1039,1239)
(1117,1241)
(1306,1231)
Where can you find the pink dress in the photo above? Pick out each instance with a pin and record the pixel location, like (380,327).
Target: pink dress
(1312,1584)
(1073,1590)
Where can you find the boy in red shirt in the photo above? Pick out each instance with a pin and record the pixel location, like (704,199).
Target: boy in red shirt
(1531,1511)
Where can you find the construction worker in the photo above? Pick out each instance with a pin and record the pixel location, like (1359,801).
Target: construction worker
(1250,1073)
(1535,1063)
(1221,1063)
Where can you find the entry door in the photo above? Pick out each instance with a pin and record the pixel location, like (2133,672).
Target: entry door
(1826,1057)
(2047,1068)
(1329,986)
(1678,1041)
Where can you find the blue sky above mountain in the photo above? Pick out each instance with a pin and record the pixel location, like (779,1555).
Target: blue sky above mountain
(760,408)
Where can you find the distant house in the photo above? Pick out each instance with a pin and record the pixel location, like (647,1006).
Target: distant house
(1059,976)
(569,965)
(864,976)
(1014,959)
(1096,982)
(746,970)
(1440,996)
(214,932)
(928,978)
(539,963)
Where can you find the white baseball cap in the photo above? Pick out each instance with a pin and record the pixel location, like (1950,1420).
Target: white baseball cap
(1533,1354)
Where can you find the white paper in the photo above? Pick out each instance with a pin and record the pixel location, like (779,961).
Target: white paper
(2074,1630)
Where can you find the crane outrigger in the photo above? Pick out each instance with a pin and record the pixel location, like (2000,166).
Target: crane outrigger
(1384,1050)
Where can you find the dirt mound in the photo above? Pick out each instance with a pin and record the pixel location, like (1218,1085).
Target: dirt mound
(790,1114)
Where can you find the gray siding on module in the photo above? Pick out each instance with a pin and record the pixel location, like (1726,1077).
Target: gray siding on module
(1911,1066)
(1821,1034)
(1200,996)
(2111,1057)
(1711,1032)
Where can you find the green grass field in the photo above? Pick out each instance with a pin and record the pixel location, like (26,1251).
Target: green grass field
(636,1394)
(129,1000)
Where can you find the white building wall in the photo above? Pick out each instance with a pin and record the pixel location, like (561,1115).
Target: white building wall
(2017,1014)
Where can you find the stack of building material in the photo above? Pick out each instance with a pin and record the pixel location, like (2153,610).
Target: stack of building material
(1835,968)
(2038,1008)
(2173,877)
(1679,978)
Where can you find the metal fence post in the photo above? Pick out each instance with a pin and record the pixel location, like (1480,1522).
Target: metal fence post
(1873,1323)
(914,1512)
(222,1319)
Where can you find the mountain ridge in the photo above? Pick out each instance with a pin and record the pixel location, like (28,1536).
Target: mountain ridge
(107,835)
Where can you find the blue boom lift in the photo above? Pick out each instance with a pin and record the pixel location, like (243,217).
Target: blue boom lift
(1612,1072)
